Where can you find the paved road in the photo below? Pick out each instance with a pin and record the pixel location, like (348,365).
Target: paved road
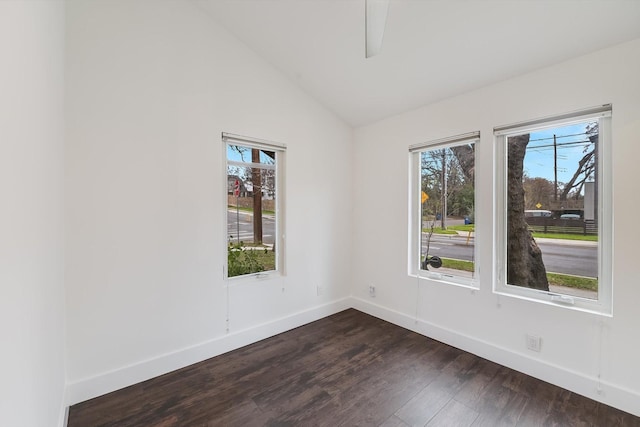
(559,256)
(246,226)
(575,258)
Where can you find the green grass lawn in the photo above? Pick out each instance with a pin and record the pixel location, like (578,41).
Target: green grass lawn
(471,227)
(452,229)
(438,230)
(587,283)
(457,264)
(247,259)
(268,259)
(566,236)
(558,279)
(466,227)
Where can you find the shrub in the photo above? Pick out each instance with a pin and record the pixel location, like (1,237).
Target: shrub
(241,260)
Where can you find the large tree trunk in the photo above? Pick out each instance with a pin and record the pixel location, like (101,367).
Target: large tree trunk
(465,154)
(524,258)
(256,178)
(584,167)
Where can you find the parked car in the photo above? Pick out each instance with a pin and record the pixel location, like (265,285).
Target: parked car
(537,213)
(569,216)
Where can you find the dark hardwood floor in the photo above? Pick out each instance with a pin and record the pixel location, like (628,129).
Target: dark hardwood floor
(349,369)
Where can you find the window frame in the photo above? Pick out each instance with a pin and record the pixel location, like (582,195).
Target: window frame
(603,304)
(414,266)
(279,237)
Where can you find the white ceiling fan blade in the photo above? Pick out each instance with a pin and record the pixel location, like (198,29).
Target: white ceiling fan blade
(375,21)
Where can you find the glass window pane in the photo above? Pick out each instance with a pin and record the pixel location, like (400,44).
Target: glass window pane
(251,215)
(447,217)
(552,210)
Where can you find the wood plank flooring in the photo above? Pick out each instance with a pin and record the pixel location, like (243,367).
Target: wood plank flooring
(349,369)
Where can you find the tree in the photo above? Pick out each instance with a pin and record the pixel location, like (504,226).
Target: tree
(256,179)
(537,191)
(465,154)
(255,176)
(586,165)
(461,179)
(524,258)
(447,176)
(434,172)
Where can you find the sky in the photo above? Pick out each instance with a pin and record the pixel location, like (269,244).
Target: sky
(571,142)
(538,162)
(234,154)
(245,157)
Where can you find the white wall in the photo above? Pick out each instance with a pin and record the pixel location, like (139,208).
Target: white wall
(150,87)
(31,217)
(480,321)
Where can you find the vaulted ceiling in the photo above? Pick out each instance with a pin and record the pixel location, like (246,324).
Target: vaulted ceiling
(432,49)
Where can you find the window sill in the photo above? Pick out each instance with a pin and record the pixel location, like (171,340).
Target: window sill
(255,277)
(447,279)
(558,300)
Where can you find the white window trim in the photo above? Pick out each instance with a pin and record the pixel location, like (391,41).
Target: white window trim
(415,211)
(603,305)
(280,150)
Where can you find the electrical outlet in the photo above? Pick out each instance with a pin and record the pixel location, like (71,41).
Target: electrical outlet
(372,291)
(319,290)
(534,342)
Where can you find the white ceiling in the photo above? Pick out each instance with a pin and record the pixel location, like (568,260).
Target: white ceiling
(432,49)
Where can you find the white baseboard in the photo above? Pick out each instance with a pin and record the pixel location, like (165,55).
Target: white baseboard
(88,388)
(63,417)
(589,386)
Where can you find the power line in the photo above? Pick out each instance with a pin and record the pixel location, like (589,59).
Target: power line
(558,137)
(560,145)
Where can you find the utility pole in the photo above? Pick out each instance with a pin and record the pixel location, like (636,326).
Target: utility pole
(595,139)
(256,178)
(236,191)
(555,169)
(443,220)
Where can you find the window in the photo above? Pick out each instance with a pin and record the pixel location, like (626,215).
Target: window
(254,205)
(443,209)
(554,220)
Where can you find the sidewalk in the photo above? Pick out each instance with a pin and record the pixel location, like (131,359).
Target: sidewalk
(563,242)
(232,210)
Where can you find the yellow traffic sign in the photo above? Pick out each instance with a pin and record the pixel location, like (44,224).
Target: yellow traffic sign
(425,197)
(538,206)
